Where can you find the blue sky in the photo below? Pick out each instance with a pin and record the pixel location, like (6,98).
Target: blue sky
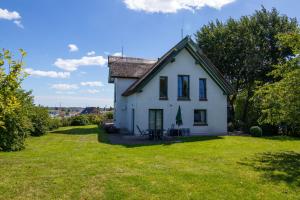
(68,41)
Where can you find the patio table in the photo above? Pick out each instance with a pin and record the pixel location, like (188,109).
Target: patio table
(156,134)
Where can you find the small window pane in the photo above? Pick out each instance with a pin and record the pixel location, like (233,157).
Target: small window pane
(200,117)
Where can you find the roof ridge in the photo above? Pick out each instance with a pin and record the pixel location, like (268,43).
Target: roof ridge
(127,58)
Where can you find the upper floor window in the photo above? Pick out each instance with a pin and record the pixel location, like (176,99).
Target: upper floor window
(200,117)
(183,87)
(202,89)
(163,87)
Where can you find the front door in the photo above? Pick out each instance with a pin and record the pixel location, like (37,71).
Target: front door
(156,119)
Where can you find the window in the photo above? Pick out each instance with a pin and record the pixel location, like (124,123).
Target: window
(155,119)
(202,89)
(163,87)
(200,117)
(183,87)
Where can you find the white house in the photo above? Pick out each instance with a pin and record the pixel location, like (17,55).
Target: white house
(149,92)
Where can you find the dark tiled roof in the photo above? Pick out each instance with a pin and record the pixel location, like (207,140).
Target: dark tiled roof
(127,67)
(91,110)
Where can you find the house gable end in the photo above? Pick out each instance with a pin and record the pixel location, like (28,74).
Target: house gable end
(170,56)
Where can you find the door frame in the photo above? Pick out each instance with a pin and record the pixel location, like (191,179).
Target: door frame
(162,117)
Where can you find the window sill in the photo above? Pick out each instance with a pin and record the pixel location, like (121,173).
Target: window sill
(200,124)
(163,98)
(183,99)
(202,99)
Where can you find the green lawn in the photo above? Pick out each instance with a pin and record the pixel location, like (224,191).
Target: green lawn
(72,164)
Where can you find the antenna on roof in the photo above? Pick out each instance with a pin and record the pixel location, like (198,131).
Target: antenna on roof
(181,33)
(122,51)
(182,25)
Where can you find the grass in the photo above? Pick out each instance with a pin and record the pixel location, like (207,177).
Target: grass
(71,164)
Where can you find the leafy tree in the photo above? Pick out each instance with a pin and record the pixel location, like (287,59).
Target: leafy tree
(279,101)
(245,50)
(15,103)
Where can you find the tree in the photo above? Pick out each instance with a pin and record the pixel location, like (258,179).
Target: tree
(15,103)
(279,101)
(245,50)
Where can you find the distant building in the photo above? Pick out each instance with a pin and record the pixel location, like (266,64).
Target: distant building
(91,110)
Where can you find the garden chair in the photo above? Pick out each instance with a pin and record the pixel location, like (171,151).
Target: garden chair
(142,133)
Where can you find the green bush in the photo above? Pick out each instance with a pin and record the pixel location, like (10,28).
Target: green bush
(40,121)
(230,127)
(16,129)
(256,131)
(95,118)
(80,120)
(66,121)
(54,123)
(109,115)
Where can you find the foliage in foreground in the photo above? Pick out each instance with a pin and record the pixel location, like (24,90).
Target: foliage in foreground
(19,117)
(15,103)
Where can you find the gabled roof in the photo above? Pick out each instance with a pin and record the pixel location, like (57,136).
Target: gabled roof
(199,57)
(127,67)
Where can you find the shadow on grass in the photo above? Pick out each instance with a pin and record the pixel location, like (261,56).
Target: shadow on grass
(282,138)
(129,142)
(80,130)
(116,139)
(277,167)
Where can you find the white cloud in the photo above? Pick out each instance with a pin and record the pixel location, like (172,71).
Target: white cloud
(172,6)
(91,53)
(50,74)
(73,64)
(63,86)
(73,47)
(92,91)
(14,15)
(117,54)
(92,84)
(64,92)
(5,14)
(19,23)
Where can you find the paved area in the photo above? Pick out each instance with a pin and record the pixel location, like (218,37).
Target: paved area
(137,140)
